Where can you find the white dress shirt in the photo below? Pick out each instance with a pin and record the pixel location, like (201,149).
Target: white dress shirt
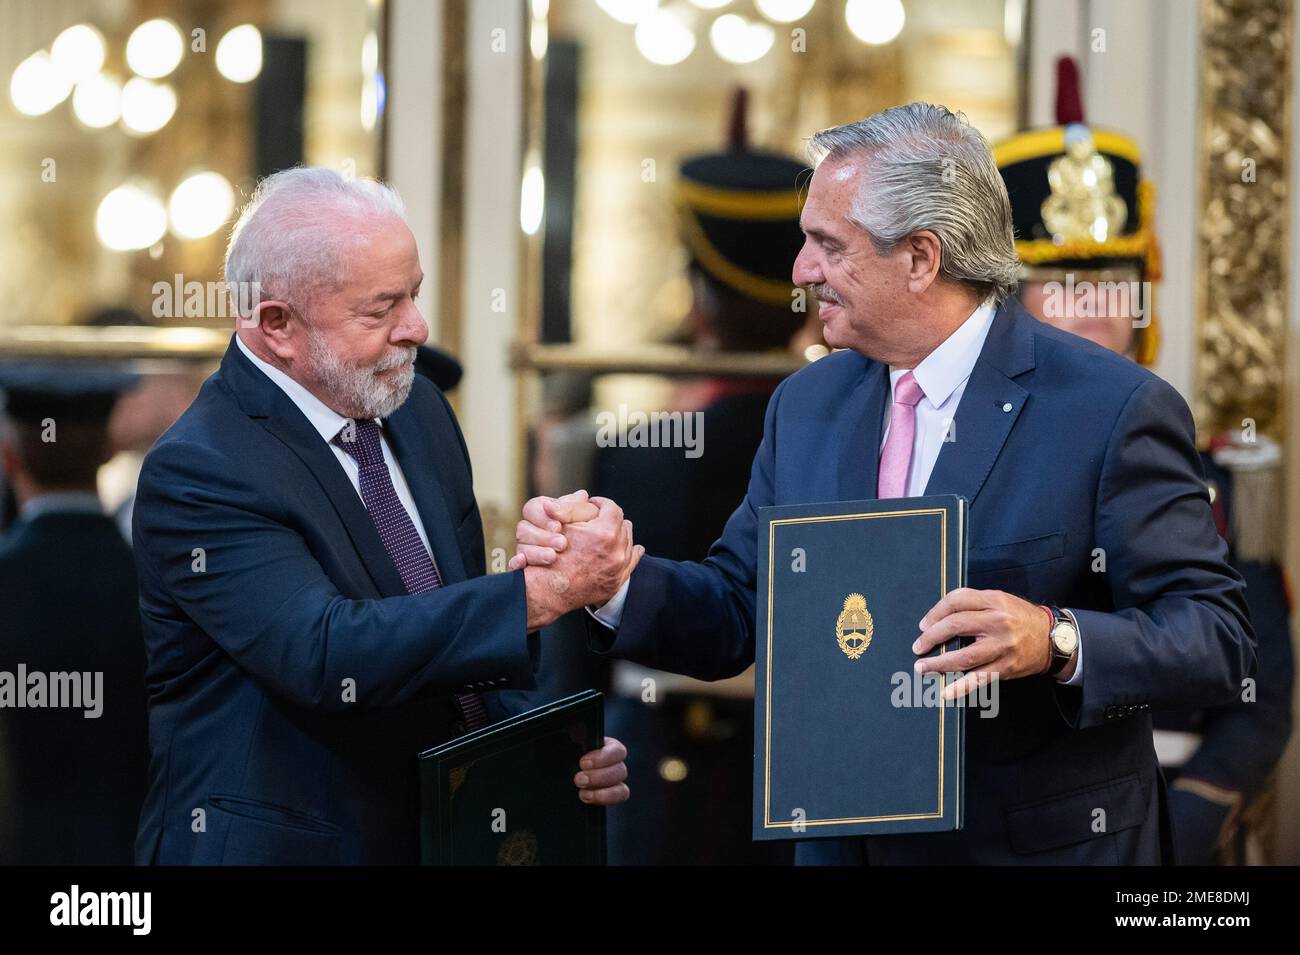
(942,375)
(328,423)
(61,502)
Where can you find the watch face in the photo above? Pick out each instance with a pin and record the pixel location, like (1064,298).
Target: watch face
(1064,637)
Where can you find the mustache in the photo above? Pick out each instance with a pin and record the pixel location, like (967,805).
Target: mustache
(396,359)
(824,293)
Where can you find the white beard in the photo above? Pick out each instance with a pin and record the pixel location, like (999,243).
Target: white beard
(361,388)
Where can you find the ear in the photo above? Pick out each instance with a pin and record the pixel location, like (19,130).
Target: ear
(923,251)
(275,320)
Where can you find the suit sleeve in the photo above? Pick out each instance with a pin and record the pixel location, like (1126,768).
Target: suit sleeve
(1242,741)
(698,618)
(1180,634)
(221,548)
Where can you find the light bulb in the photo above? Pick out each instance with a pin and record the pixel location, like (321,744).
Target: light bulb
(154,48)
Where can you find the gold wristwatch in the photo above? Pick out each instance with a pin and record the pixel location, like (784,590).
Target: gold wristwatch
(1063,639)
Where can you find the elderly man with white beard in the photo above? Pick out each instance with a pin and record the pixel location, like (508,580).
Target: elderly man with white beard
(313,589)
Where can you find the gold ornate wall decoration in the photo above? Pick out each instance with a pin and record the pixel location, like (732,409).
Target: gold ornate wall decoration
(1245,102)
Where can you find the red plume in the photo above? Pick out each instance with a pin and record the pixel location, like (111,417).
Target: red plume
(1069,104)
(737,125)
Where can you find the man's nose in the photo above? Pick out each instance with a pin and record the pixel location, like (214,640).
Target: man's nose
(413,329)
(807,270)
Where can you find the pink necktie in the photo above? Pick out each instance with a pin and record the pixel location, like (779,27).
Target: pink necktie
(896,457)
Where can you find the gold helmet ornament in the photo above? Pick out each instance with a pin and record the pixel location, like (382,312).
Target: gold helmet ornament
(1079,203)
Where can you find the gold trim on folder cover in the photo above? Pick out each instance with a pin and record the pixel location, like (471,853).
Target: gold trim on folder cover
(767,762)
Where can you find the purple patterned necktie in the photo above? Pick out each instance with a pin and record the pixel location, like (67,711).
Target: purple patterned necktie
(397,531)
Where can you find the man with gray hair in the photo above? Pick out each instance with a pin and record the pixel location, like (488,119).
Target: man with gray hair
(310,554)
(1098,584)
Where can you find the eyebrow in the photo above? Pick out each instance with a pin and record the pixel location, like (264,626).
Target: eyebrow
(394,296)
(819,234)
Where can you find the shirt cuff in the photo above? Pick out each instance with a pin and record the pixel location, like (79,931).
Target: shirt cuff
(1076,678)
(611,615)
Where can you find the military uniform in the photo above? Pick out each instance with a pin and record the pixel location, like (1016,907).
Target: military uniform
(1083,212)
(690,751)
(72,785)
(1219,759)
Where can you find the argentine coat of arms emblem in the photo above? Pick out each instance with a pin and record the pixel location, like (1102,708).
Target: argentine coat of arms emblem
(853,627)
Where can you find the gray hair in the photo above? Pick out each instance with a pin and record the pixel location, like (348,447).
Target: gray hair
(930,169)
(286,245)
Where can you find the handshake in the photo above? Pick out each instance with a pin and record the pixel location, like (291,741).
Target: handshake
(575,551)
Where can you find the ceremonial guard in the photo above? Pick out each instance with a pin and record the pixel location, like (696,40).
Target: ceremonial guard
(74,760)
(691,742)
(1084,220)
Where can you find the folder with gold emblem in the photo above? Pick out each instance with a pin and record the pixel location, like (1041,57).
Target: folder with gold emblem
(504,794)
(848,740)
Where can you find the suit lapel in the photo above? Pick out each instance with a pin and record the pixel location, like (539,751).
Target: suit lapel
(261,398)
(979,430)
(412,444)
(859,440)
(989,407)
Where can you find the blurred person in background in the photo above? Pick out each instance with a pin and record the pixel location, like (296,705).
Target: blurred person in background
(692,741)
(75,765)
(1062,182)
(140,416)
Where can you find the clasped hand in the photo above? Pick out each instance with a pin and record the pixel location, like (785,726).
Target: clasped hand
(575,551)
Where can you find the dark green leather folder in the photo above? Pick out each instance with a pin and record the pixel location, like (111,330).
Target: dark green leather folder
(848,742)
(504,795)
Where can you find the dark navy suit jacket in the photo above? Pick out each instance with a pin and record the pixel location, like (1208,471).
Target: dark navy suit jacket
(68,593)
(1093,457)
(291,679)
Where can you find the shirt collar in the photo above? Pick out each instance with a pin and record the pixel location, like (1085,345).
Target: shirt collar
(61,502)
(327,422)
(942,371)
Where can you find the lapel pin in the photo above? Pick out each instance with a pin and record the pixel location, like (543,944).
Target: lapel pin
(1007,407)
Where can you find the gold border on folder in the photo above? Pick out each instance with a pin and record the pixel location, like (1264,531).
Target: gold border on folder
(767,742)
